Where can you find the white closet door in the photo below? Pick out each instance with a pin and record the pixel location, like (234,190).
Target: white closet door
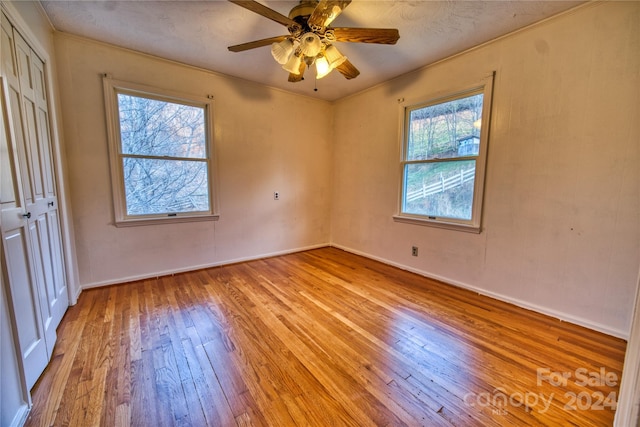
(58,297)
(44,229)
(35,240)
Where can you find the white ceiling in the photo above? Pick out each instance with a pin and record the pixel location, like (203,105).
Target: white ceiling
(199,32)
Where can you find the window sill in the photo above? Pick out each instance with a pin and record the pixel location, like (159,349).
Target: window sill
(437,223)
(164,220)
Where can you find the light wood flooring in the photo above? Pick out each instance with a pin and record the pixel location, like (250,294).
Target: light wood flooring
(319,338)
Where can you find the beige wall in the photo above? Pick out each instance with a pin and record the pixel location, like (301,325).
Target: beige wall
(265,140)
(561,229)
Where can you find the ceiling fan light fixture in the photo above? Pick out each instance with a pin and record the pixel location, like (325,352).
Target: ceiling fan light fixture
(322,67)
(310,44)
(293,64)
(281,51)
(310,37)
(334,57)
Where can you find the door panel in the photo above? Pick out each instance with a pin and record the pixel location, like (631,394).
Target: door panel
(9,63)
(43,275)
(42,120)
(28,95)
(13,96)
(33,152)
(60,298)
(33,349)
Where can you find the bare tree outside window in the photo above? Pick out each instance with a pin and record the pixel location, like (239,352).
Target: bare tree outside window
(164,154)
(161,152)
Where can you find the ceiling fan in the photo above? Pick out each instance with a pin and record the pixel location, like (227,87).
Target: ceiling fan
(310,40)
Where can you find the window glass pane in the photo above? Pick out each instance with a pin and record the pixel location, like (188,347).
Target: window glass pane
(446,130)
(157,128)
(441,189)
(154,186)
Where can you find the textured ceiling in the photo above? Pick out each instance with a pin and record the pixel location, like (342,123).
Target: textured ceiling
(198,33)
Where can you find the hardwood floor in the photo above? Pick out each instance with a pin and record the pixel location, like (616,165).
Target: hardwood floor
(319,338)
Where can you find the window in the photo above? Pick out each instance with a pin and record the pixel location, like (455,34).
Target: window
(160,146)
(443,161)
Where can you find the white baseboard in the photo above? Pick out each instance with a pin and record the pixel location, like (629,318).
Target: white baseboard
(20,417)
(565,317)
(74,297)
(196,267)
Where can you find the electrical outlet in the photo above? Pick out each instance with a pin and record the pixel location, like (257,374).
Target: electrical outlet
(414,250)
(276,195)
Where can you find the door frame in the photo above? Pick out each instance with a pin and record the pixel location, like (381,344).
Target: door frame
(628,408)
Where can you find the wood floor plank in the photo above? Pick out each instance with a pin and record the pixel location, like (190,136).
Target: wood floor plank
(319,338)
(135,344)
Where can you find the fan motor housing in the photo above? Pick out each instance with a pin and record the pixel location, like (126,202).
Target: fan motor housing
(302,11)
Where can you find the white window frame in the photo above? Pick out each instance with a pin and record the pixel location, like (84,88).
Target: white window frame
(114,87)
(484,86)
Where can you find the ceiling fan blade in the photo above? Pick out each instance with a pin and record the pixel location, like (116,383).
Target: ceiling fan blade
(260,9)
(326,12)
(300,76)
(348,70)
(256,43)
(367,35)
